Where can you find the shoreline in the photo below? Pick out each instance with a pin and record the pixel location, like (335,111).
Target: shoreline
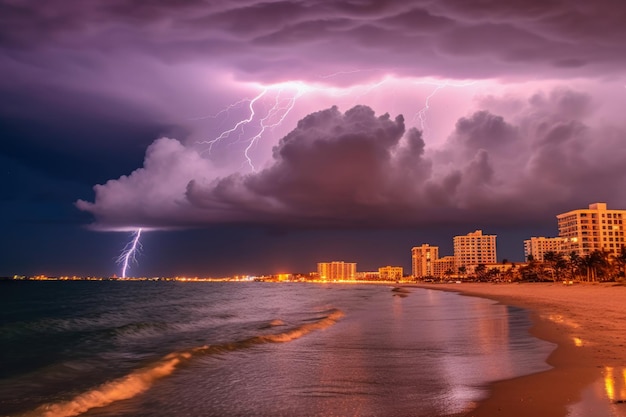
(587,324)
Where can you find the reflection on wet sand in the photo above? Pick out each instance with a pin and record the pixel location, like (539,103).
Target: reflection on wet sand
(615,384)
(587,321)
(611,387)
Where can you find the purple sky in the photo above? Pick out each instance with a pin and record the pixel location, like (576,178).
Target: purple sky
(376,126)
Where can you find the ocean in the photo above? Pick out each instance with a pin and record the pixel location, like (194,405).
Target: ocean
(253,349)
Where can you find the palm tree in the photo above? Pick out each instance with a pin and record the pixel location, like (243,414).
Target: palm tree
(607,266)
(620,260)
(493,274)
(575,263)
(550,258)
(560,264)
(588,263)
(510,274)
(528,273)
(481,272)
(462,271)
(595,264)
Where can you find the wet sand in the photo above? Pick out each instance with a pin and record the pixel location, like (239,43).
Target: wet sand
(587,322)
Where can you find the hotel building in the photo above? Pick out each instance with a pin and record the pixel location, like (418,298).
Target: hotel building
(537,246)
(474,248)
(422,258)
(336,270)
(441,265)
(390,273)
(595,228)
(367,276)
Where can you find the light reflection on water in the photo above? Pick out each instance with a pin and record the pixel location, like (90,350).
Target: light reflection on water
(430,353)
(615,384)
(604,398)
(427,354)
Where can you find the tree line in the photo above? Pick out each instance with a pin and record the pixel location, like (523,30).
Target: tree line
(597,266)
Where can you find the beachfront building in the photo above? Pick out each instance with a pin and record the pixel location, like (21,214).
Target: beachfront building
(441,267)
(390,273)
(595,228)
(538,246)
(474,248)
(336,270)
(282,277)
(422,258)
(367,276)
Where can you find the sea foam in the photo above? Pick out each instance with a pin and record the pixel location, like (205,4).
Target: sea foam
(142,379)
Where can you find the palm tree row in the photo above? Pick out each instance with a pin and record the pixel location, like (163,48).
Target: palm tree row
(595,266)
(556,266)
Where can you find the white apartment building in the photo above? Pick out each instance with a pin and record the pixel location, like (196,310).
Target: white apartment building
(336,270)
(422,258)
(595,228)
(474,248)
(537,246)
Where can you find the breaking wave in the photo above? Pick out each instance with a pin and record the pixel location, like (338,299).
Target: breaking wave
(142,379)
(273,323)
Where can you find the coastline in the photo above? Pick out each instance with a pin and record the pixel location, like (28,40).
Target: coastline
(587,324)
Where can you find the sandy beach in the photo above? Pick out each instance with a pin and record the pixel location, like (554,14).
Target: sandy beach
(587,322)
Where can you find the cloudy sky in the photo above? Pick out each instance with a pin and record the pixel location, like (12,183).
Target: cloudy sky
(250,136)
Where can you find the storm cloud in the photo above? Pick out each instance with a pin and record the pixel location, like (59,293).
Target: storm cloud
(500,112)
(102,79)
(356,169)
(277,40)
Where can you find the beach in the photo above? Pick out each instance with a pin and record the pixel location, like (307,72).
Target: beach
(586,322)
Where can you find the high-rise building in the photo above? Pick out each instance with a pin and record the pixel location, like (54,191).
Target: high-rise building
(390,273)
(443,265)
(422,260)
(595,228)
(474,248)
(538,246)
(336,270)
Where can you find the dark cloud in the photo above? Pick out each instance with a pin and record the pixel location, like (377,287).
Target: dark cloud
(90,84)
(356,169)
(333,168)
(451,38)
(153,195)
(87,85)
(547,156)
(484,130)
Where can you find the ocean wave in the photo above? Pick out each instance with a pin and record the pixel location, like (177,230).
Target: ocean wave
(142,379)
(138,331)
(273,323)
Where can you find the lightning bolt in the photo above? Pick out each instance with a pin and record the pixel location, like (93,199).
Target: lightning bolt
(223,111)
(278,111)
(269,108)
(130,252)
(421,114)
(260,120)
(240,124)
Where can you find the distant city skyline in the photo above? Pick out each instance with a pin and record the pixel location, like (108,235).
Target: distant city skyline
(371,263)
